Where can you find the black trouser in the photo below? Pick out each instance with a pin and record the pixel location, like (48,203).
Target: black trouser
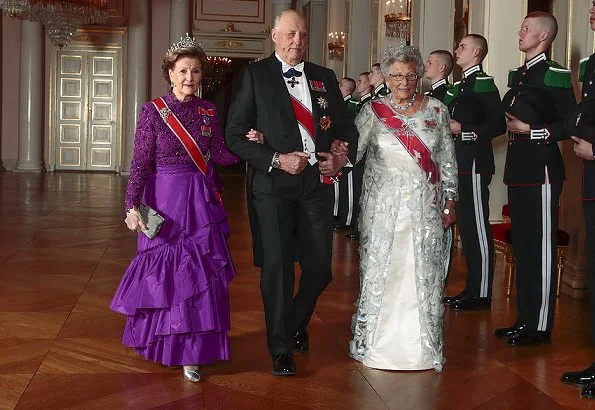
(300,209)
(589,210)
(534,215)
(349,191)
(473,213)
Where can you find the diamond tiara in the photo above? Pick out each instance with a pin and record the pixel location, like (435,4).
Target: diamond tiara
(185,42)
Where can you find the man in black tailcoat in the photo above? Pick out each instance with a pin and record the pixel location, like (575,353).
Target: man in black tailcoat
(298,108)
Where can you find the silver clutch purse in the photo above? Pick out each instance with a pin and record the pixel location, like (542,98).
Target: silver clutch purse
(152,219)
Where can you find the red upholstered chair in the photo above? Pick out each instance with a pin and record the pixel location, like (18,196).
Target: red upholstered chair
(503,243)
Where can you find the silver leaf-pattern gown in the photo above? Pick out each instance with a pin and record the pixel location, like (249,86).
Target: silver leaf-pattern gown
(403,247)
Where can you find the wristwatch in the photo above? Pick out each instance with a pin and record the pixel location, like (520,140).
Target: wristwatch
(276,161)
(446,211)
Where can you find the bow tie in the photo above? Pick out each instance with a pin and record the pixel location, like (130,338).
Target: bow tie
(292,72)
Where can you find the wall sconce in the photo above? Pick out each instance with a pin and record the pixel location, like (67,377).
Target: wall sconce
(398,19)
(336,46)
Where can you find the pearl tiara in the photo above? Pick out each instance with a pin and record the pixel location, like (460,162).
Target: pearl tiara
(184,43)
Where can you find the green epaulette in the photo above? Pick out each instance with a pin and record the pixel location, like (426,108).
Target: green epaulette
(582,66)
(511,74)
(484,84)
(383,92)
(452,90)
(352,105)
(557,76)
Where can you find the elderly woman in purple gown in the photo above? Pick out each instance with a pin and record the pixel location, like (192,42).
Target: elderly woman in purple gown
(175,291)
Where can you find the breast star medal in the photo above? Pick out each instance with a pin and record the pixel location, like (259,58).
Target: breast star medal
(322,103)
(325,122)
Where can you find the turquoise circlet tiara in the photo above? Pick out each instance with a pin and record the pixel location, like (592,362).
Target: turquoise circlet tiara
(185,42)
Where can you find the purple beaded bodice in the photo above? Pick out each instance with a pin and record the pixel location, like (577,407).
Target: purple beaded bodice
(156,144)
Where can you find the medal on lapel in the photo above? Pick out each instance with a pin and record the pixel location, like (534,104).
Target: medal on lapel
(325,122)
(322,103)
(317,86)
(205,130)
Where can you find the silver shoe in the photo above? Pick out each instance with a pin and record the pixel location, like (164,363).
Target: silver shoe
(191,374)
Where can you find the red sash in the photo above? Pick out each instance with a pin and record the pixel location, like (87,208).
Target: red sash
(183,136)
(305,118)
(410,141)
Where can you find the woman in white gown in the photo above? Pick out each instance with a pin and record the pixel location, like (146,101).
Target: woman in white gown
(408,202)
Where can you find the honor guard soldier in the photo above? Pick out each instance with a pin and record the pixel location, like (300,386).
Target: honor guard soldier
(347,87)
(581,127)
(539,100)
(363,88)
(477,116)
(438,67)
(346,202)
(377,82)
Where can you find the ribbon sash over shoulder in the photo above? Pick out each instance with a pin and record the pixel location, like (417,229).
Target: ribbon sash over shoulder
(408,138)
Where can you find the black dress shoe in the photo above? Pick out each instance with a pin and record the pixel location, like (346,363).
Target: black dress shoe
(506,332)
(283,365)
(588,391)
(450,299)
(301,341)
(529,338)
(581,378)
(354,236)
(471,303)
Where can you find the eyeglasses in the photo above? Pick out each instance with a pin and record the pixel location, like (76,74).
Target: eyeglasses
(401,77)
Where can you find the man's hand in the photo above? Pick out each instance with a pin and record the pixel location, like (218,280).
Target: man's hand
(516,126)
(331,164)
(451,217)
(583,148)
(294,162)
(339,147)
(455,127)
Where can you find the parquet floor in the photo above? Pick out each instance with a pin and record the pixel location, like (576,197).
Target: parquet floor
(64,247)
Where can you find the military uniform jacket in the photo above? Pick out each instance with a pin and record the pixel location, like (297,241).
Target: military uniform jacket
(474,145)
(352,105)
(381,90)
(439,89)
(527,160)
(587,77)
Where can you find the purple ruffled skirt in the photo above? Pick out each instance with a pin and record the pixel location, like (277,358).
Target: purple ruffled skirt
(175,291)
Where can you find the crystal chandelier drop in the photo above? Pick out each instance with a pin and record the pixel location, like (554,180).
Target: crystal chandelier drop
(398,20)
(16,8)
(61,18)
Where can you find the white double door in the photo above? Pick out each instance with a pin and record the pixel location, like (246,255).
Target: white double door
(86,129)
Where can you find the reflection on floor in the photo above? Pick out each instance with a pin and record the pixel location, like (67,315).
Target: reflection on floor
(64,247)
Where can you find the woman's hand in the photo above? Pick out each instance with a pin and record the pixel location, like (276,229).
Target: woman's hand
(448,214)
(255,136)
(134,221)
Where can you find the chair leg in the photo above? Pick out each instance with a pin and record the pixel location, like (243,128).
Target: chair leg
(560,258)
(509,268)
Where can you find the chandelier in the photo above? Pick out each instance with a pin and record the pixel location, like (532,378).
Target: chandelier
(61,18)
(218,74)
(398,19)
(336,46)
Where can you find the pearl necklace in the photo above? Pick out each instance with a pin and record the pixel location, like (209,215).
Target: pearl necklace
(406,106)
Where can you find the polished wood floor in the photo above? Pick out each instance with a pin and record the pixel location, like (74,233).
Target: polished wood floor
(64,247)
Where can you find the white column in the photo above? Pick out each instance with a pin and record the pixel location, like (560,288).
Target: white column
(317,29)
(359,38)
(180,19)
(137,76)
(30,103)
